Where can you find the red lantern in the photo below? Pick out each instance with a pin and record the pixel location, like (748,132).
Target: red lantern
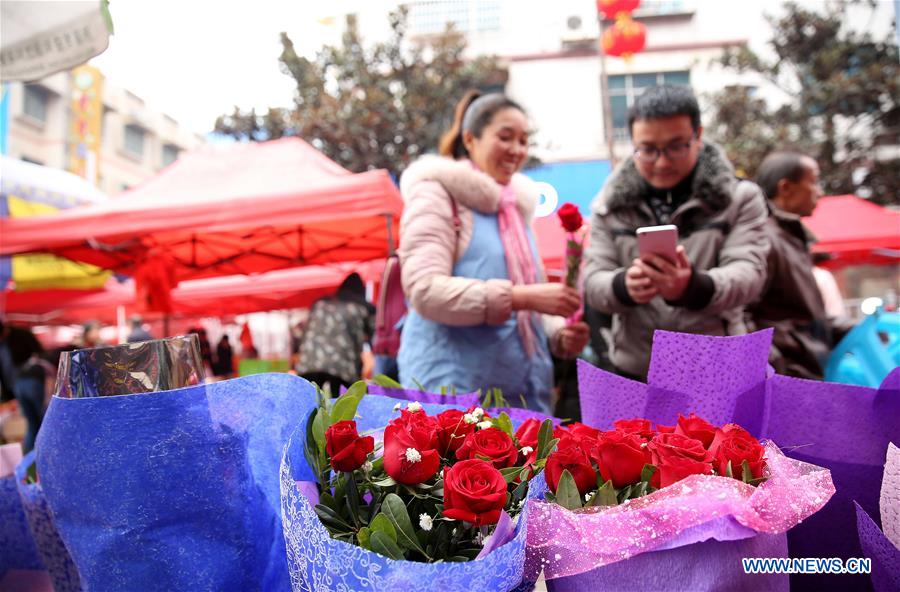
(612,8)
(625,38)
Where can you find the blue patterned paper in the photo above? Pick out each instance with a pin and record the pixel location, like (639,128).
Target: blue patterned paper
(18,548)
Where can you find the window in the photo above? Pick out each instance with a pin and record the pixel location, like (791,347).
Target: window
(36,100)
(169,154)
(134,140)
(623,90)
(430,17)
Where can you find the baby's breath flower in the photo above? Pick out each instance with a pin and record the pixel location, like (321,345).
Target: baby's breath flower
(425,522)
(413,455)
(485,425)
(414,406)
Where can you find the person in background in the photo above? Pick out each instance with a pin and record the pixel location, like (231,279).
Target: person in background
(224,363)
(673,177)
(791,302)
(482,314)
(832,298)
(90,335)
(7,369)
(337,330)
(30,380)
(138,333)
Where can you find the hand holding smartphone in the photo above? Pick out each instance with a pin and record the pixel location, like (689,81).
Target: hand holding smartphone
(659,240)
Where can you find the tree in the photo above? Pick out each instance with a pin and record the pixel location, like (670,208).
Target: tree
(843,88)
(377,107)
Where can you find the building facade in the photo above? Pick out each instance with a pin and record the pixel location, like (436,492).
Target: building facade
(81,122)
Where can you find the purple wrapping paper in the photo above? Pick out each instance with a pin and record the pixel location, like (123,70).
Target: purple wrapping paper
(464,399)
(846,429)
(722,379)
(884,555)
(701,507)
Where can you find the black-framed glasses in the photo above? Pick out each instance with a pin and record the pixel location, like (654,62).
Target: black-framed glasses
(675,151)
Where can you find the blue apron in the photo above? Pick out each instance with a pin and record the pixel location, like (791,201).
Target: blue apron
(483,356)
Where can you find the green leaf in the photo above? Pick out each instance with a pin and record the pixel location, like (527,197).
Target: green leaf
(606,495)
(381,523)
(382,544)
(545,436)
(746,473)
(331,519)
(510,473)
(503,422)
(318,429)
(419,385)
(352,498)
(567,492)
(647,473)
(624,493)
(394,508)
(386,381)
(386,482)
(728,471)
(345,406)
(363,537)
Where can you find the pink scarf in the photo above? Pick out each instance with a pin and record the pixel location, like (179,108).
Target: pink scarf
(519,259)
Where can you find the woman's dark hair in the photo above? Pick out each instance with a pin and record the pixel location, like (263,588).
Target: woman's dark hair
(22,345)
(777,166)
(352,289)
(473,113)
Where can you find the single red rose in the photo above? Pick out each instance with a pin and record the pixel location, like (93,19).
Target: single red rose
(664,429)
(346,450)
(640,426)
(492,444)
(665,446)
(582,431)
(410,453)
(570,217)
(620,457)
(452,431)
(696,428)
(571,456)
(676,468)
(474,492)
(735,444)
(527,434)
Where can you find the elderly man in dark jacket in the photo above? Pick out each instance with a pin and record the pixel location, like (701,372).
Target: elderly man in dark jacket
(791,302)
(675,178)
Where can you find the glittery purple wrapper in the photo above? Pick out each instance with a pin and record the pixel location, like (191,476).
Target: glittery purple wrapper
(701,507)
(464,399)
(884,555)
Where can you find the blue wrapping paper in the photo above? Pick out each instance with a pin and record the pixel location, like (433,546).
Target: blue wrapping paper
(174,490)
(54,554)
(318,562)
(16,542)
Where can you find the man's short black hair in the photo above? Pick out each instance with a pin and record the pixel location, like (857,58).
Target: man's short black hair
(786,164)
(660,102)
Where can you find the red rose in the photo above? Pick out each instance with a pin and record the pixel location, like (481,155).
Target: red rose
(570,217)
(527,434)
(665,446)
(664,429)
(676,468)
(676,457)
(410,450)
(585,432)
(570,456)
(345,448)
(620,457)
(735,444)
(492,444)
(474,492)
(696,428)
(452,430)
(640,426)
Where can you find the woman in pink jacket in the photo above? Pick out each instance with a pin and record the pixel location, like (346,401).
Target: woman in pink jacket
(481,313)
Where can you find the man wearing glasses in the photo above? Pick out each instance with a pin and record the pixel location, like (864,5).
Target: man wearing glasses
(674,177)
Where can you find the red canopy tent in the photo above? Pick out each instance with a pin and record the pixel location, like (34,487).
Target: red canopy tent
(226,210)
(854,231)
(217,297)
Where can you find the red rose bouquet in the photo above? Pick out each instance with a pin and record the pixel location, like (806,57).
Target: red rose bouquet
(437,486)
(676,491)
(572,222)
(594,468)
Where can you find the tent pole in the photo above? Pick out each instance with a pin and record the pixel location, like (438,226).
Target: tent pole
(120,323)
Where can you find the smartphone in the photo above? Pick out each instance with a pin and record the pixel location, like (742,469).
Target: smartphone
(661,240)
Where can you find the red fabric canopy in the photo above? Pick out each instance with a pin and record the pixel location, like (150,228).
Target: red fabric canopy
(237,209)
(854,231)
(213,297)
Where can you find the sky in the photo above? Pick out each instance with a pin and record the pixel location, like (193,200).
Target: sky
(195,59)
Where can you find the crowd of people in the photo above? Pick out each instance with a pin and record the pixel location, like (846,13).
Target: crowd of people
(480,312)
